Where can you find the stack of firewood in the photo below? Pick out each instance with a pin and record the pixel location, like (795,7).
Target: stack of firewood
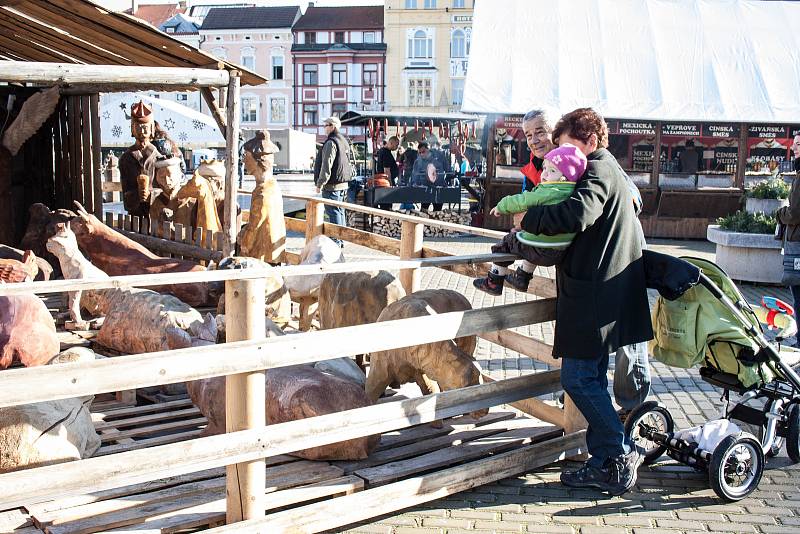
(392,227)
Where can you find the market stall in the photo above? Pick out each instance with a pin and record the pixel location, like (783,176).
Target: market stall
(716,107)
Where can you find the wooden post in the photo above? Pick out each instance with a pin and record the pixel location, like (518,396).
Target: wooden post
(315,219)
(741,156)
(656,170)
(208,96)
(245,403)
(411,238)
(229,227)
(573,422)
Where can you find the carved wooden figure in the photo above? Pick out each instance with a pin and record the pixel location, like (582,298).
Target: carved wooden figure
(264,235)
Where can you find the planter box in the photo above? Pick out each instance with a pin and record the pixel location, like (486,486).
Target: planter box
(748,257)
(767,206)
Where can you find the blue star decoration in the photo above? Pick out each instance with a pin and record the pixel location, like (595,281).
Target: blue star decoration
(106,114)
(116,131)
(198,125)
(169,124)
(182,136)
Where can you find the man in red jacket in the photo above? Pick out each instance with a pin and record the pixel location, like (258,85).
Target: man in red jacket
(537,129)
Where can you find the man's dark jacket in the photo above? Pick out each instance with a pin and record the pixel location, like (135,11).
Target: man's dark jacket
(602,299)
(340,172)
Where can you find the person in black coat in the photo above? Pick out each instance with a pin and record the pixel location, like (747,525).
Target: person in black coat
(602,299)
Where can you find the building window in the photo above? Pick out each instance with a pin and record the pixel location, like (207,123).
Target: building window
(248,58)
(310,74)
(370,78)
(457,87)
(339,74)
(338,37)
(419,92)
(411,4)
(170,29)
(369,37)
(420,46)
(310,115)
(277,67)
(458,4)
(430,4)
(218,38)
(339,109)
(458,45)
(277,110)
(220,53)
(182,97)
(311,37)
(249,109)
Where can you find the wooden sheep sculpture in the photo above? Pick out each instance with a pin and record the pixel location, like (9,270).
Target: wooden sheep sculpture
(321,250)
(434,367)
(116,255)
(294,392)
(136,320)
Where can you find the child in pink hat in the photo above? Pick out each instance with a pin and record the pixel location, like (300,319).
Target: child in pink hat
(563,167)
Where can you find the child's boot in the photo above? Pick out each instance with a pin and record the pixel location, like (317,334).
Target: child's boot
(492,284)
(519,279)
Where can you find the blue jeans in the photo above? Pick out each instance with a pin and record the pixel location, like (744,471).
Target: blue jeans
(335,214)
(586,383)
(631,375)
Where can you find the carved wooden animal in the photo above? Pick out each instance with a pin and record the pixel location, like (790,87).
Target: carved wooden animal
(292,393)
(27,331)
(117,255)
(42,269)
(321,250)
(136,320)
(350,299)
(434,367)
(13,271)
(278,304)
(41,225)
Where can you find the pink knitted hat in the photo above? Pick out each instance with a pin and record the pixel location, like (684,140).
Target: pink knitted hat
(569,160)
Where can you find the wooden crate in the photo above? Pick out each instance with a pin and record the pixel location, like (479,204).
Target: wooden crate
(197,500)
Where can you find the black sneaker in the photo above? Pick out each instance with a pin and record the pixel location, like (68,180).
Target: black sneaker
(623,470)
(519,279)
(492,284)
(587,477)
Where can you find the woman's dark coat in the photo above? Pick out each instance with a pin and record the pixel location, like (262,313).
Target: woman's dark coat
(602,299)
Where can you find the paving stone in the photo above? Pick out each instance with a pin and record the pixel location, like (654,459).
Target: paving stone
(603,530)
(628,521)
(679,524)
(730,527)
(779,529)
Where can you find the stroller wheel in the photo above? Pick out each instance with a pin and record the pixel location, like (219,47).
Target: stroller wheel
(736,467)
(649,415)
(793,434)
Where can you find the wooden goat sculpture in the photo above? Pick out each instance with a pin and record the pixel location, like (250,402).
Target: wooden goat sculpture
(136,320)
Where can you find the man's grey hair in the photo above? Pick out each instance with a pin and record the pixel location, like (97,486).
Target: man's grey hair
(547,117)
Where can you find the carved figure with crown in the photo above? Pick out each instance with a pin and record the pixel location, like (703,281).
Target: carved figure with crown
(137,165)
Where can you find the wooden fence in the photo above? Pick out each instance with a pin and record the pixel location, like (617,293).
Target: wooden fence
(246,355)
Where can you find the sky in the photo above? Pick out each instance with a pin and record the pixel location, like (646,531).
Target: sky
(126,4)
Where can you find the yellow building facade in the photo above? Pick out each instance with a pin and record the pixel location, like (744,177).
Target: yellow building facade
(428,45)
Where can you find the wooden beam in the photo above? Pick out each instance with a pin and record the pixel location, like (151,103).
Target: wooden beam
(382,243)
(28,385)
(148,280)
(97,474)
(97,172)
(741,156)
(166,246)
(315,218)
(374,502)
(294,225)
(70,73)
(230,228)
(245,399)
(411,238)
(208,96)
(655,170)
(527,346)
(535,407)
(27,30)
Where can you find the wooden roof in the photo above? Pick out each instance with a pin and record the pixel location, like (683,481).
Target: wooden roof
(80,31)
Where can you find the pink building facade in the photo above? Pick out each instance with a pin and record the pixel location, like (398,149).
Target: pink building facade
(260,39)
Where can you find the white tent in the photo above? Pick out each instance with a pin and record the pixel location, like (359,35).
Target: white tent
(704,60)
(189,128)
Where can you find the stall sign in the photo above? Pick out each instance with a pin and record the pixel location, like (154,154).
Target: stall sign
(725,158)
(613,126)
(509,121)
(721,130)
(642,156)
(763,131)
(794,131)
(636,128)
(684,130)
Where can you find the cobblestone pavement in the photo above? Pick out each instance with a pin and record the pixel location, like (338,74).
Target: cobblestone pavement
(668,499)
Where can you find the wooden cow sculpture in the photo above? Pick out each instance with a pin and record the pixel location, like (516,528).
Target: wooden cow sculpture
(434,367)
(27,331)
(136,320)
(294,392)
(116,255)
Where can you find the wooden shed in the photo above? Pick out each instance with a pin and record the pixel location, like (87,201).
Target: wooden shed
(85,49)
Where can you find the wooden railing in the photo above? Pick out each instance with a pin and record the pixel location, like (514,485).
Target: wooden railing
(244,358)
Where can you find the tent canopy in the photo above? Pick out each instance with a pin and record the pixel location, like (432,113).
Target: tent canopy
(714,60)
(187,127)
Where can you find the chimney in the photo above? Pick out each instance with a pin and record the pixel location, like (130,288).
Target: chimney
(311,4)
(134,6)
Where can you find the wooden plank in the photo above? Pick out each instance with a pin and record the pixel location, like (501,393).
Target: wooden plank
(147,443)
(389,245)
(113,435)
(146,419)
(36,384)
(294,225)
(405,436)
(73,74)
(374,502)
(86,151)
(97,173)
(166,246)
(315,218)
(133,467)
(140,410)
(527,346)
(229,226)
(536,408)
(208,96)
(529,431)
(58,286)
